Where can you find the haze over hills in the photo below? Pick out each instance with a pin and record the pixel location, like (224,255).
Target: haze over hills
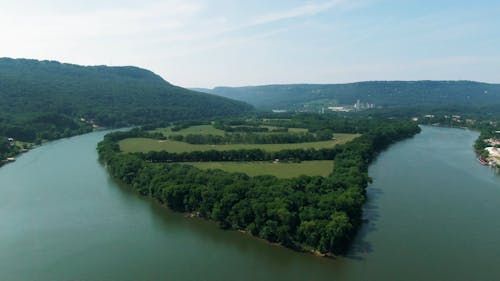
(48,96)
(380,93)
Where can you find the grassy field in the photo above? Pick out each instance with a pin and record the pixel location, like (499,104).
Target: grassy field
(280,170)
(201,129)
(145,145)
(297,130)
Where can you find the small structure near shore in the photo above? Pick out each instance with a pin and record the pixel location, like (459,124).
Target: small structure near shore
(10,159)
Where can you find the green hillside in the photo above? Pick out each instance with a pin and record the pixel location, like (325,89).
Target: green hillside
(380,93)
(46,99)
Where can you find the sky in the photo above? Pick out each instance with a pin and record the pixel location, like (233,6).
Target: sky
(208,43)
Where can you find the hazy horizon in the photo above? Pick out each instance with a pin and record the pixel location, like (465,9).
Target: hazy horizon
(205,44)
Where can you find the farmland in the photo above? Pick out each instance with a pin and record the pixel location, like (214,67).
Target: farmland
(200,129)
(146,144)
(252,168)
(280,170)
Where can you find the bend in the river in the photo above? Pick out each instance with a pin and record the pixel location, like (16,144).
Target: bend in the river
(432,214)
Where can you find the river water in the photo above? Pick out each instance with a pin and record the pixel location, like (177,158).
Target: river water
(432,214)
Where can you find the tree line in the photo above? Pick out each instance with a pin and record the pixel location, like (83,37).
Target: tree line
(240,155)
(254,138)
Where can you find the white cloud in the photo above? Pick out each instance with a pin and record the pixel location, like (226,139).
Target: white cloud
(305,10)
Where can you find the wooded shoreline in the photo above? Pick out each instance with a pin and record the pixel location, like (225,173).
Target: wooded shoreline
(318,213)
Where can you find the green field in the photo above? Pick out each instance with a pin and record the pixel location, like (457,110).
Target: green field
(201,129)
(297,130)
(280,170)
(145,145)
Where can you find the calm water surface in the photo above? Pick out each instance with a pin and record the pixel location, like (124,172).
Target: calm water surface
(432,214)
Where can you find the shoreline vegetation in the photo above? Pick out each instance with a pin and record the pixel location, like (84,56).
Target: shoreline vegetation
(317,214)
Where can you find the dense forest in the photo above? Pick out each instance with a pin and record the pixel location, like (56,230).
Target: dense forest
(380,93)
(47,99)
(318,214)
(6,149)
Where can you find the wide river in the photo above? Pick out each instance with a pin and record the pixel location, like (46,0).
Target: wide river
(432,214)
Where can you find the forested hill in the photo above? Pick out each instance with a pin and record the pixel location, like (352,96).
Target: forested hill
(380,93)
(48,96)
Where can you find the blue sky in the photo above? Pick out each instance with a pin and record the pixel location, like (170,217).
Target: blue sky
(206,43)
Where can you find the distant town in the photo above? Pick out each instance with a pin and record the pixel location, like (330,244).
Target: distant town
(358,106)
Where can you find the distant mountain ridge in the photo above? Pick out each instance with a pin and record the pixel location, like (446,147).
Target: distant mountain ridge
(51,96)
(380,93)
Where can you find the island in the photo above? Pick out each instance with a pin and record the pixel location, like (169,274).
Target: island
(267,175)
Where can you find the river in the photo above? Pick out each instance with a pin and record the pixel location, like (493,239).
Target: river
(432,214)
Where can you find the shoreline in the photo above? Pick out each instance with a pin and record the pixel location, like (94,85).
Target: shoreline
(296,248)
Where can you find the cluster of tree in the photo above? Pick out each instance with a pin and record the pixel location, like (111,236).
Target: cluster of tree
(6,149)
(240,155)
(4,145)
(236,121)
(255,138)
(313,122)
(315,213)
(240,128)
(317,123)
(245,125)
(46,99)
(35,127)
(180,125)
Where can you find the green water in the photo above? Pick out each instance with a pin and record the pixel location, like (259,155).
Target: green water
(432,214)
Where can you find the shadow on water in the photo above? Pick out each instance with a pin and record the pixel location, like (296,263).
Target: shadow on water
(371,213)
(361,246)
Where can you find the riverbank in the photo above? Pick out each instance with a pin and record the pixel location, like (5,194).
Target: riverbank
(298,248)
(14,149)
